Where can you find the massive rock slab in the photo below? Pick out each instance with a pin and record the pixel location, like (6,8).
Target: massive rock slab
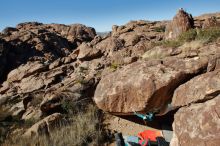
(198,124)
(144,86)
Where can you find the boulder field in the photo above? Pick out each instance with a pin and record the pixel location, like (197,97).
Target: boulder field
(44,66)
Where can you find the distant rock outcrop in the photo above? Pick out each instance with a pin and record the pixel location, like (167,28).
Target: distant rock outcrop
(180,23)
(207,20)
(38,42)
(211,22)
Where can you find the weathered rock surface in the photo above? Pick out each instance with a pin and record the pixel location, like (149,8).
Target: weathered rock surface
(198,124)
(86,52)
(36,61)
(206,20)
(180,23)
(144,86)
(76,33)
(205,87)
(211,22)
(35,41)
(25,70)
(134,88)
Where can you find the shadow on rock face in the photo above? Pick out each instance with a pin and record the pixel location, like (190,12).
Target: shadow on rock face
(157,122)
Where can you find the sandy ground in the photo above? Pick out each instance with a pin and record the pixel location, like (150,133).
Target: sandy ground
(125,125)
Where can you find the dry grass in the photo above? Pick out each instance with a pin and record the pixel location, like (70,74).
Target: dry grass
(206,35)
(156,53)
(84,129)
(189,42)
(3,126)
(192,46)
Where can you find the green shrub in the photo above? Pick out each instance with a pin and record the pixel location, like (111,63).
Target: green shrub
(67,106)
(205,35)
(81,80)
(82,69)
(71,102)
(172,43)
(160,29)
(209,35)
(30,122)
(188,36)
(114,66)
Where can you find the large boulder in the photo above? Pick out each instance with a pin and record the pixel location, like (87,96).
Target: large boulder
(180,23)
(135,88)
(205,87)
(144,86)
(197,124)
(87,52)
(197,121)
(110,45)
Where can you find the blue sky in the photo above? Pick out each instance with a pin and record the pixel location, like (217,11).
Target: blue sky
(100,14)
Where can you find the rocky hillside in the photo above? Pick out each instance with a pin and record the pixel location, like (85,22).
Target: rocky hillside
(49,69)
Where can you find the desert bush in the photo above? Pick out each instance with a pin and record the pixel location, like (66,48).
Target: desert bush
(204,35)
(82,69)
(114,66)
(72,103)
(156,53)
(187,36)
(81,81)
(193,45)
(84,128)
(30,122)
(160,29)
(3,124)
(209,35)
(168,43)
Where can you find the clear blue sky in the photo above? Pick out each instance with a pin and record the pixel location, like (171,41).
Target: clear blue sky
(100,14)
